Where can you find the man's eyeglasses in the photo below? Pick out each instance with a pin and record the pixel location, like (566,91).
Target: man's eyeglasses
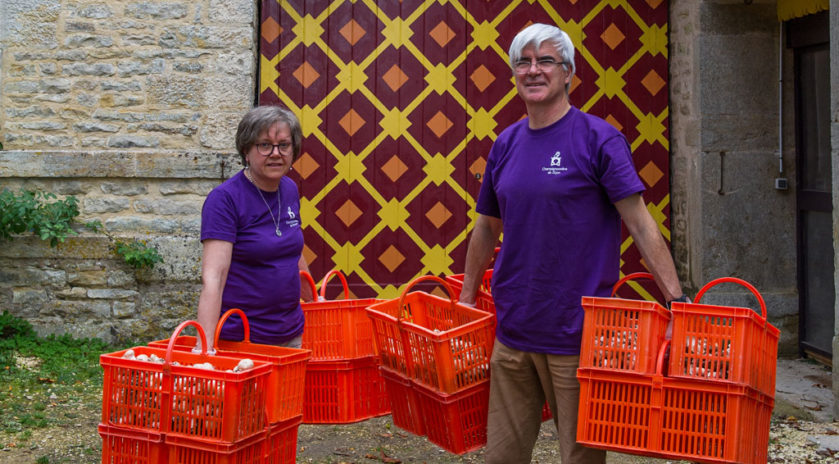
(266,149)
(544,64)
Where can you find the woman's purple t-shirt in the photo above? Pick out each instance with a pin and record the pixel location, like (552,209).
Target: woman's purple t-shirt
(263,280)
(554,189)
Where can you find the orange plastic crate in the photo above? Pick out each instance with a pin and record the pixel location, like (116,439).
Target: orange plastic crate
(125,445)
(284,394)
(622,334)
(437,342)
(727,344)
(183,450)
(672,418)
(281,445)
(178,399)
(341,392)
(404,404)
(455,422)
(483,299)
(337,329)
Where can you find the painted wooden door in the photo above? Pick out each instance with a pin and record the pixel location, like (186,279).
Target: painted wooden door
(400,102)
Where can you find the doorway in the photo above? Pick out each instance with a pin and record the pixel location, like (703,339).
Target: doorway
(809,37)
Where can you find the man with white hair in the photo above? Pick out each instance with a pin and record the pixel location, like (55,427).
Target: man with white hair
(557,184)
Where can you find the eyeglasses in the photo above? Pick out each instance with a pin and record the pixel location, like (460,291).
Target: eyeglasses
(266,149)
(543,64)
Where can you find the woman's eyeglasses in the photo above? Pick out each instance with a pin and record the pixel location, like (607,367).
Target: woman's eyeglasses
(266,149)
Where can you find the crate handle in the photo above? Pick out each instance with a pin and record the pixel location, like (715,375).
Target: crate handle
(308,278)
(421,279)
(628,277)
(734,280)
(343,282)
(245,324)
(201,336)
(659,362)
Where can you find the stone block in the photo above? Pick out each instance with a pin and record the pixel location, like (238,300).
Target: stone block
(88,69)
(72,293)
(195,187)
(123,309)
(142,225)
(176,91)
(156,11)
(232,11)
(111,293)
(88,41)
(737,19)
(129,188)
(744,67)
(95,127)
(132,141)
(118,278)
(169,206)
(29,296)
(105,205)
(95,11)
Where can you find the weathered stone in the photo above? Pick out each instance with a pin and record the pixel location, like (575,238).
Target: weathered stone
(175,91)
(73,293)
(71,55)
(121,100)
(186,130)
(88,40)
(132,86)
(232,11)
(130,188)
(195,187)
(107,115)
(129,141)
(20,113)
(94,142)
(96,11)
(87,100)
(47,69)
(159,11)
(167,207)
(111,293)
(29,296)
(95,127)
(123,309)
(139,40)
(79,27)
(188,67)
(48,277)
(41,126)
(121,279)
(135,68)
(106,205)
(142,225)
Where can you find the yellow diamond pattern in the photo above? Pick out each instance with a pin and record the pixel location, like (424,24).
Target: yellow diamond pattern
(393,123)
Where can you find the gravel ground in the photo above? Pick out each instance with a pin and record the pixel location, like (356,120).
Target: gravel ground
(378,441)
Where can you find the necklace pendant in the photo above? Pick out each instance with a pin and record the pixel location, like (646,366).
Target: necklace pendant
(279,233)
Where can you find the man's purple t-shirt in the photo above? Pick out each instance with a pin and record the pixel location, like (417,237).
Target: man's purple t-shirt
(263,280)
(554,189)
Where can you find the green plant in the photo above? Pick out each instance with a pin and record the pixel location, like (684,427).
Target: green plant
(37,212)
(51,219)
(138,254)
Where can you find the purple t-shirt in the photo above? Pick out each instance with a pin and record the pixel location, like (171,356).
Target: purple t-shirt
(263,280)
(554,189)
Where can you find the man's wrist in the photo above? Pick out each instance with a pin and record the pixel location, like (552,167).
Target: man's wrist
(682,299)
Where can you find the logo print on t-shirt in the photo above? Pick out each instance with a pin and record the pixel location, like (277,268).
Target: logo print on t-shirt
(290,213)
(292,222)
(556,165)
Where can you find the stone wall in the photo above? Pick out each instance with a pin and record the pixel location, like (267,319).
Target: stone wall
(728,219)
(131,107)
